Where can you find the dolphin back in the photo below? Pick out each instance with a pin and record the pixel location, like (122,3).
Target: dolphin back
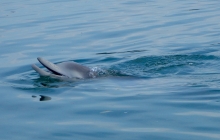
(74,70)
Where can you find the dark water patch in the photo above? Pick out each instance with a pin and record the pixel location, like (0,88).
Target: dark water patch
(96,135)
(207,129)
(130,98)
(109,60)
(193,9)
(133,51)
(215,44)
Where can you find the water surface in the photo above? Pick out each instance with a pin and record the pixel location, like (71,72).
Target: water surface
(160,64)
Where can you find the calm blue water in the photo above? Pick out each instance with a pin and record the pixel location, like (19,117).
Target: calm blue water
(160,64)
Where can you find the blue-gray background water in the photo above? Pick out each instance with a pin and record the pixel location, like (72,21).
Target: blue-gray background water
(160,64)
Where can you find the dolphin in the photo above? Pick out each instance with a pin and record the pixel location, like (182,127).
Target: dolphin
(64,70)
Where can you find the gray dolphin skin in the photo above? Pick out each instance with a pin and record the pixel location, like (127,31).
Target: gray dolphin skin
(64,70)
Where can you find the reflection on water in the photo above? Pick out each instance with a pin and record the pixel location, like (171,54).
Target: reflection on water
(42,97)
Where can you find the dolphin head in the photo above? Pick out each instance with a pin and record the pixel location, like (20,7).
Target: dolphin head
(71,70)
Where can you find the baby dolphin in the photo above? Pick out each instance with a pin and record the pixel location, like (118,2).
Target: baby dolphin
(64,70)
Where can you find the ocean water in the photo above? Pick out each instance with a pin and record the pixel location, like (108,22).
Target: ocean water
(158,62)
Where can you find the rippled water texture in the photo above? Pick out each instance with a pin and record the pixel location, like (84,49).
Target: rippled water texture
(158,64)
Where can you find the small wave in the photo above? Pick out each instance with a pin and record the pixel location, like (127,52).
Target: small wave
(151,66)
(144,67)
(133,51)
